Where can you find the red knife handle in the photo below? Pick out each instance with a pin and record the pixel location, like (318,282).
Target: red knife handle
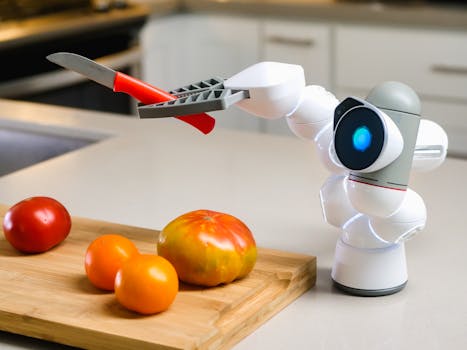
(148,94)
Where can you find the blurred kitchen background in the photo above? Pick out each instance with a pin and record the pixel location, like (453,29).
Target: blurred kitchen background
(346,46)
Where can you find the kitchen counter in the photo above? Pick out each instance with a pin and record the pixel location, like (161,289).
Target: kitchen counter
(147,172)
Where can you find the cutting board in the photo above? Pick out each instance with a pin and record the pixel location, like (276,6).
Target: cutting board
(48,296)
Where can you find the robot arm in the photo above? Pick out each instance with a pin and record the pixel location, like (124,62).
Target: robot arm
(278,90)
(274,90)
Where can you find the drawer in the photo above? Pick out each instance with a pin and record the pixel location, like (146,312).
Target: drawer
(432,62)
(453,118)
(303,43)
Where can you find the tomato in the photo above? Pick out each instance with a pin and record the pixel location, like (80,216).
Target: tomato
(36,224)
(146,284)
(105,256)
(208,248)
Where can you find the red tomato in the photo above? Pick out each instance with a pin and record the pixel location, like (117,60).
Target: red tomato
(208,248)
(36,224)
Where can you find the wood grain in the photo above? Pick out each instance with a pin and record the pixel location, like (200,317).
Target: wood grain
(48,296)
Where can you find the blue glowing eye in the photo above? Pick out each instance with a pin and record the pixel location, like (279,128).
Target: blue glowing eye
(361,138)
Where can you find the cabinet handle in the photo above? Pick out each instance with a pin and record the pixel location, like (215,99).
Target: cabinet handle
(449,69)
(283,40)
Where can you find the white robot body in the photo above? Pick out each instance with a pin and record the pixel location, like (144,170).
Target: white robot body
(315,106)
(370,255)
(369,272)
(431,148)
(374,200)
(408,219)
(375,220)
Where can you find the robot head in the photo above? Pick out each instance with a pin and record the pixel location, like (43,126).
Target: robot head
(375,140)
(365,138)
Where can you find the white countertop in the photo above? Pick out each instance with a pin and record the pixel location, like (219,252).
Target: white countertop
(147,172)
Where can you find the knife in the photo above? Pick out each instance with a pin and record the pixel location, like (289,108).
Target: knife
(120,82)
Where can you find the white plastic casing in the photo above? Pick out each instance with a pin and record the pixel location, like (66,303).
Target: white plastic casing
(312,120)
(431,146)
(374,200)
(314,111)
(335,204)
(409,219)
(370,269)
(326,153)
(274,88)
(358,233)
(364,231)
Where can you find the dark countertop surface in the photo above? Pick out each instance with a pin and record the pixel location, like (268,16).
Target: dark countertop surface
(14,33)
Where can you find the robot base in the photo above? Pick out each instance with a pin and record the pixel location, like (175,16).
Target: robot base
(369,271)
(369,293)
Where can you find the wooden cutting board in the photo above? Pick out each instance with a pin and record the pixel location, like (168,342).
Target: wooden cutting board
(48,296)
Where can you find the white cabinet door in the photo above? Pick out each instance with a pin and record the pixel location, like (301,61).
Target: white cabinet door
(161,57)
(182,49)
(433,62)
(452,117)
(303,43)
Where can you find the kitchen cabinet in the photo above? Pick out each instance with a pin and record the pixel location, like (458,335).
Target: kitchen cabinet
(304,43)
(432,62)
(186,48)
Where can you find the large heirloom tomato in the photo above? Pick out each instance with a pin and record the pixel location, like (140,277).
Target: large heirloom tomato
(36,224)
(208,248)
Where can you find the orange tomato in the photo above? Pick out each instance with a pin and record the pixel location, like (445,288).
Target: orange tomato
(104,257)
(147,284)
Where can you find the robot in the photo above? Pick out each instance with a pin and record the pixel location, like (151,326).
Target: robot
(370,147)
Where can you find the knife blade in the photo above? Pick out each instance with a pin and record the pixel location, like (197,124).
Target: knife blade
(120,82)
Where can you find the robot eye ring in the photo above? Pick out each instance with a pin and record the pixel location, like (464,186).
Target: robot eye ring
(359,137)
